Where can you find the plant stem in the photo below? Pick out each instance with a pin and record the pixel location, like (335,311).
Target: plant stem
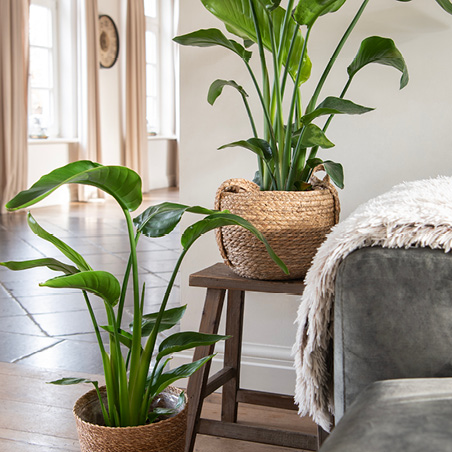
(288,144)
(138,389)
(136,333)
(315,96)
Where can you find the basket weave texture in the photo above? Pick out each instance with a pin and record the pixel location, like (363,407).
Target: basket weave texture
(295,224)
(168,435)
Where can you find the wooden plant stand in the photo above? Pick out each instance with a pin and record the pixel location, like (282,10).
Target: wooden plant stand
(218,279)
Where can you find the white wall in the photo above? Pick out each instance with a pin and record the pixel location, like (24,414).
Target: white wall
(406,138)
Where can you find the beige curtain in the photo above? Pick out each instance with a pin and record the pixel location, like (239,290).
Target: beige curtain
(14,52)
(135,91)
(89,108)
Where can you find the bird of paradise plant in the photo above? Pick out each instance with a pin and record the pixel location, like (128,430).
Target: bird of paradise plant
(287,148)
(132,378)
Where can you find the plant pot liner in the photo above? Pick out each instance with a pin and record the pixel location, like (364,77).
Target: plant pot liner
(164,436)
(295,224)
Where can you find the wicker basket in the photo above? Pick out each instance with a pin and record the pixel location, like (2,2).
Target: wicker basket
(163,436)
(294,223)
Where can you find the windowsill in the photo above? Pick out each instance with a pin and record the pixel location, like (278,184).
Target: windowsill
(52,140)
(161,137)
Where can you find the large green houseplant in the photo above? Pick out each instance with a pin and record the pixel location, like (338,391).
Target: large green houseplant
(288,144)
(132,378)
(288,204)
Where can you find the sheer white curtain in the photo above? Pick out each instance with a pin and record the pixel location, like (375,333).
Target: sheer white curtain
(13,98)
(89,105)
(135,92)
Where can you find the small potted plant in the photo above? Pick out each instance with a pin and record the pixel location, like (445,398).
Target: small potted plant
(137,409)
(294,128)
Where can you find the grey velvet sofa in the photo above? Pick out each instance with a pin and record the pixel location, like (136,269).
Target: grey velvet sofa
(392,320)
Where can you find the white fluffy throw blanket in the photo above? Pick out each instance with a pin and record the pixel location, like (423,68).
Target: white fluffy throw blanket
(414,214)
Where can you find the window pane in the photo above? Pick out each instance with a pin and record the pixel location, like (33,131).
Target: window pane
(40,109)
(150,8)
(151,80)
(151,47)
(40,26)
(151,115)
(40,68)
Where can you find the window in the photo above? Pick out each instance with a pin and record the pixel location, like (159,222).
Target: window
(42,100)
(152,58)
(160,67)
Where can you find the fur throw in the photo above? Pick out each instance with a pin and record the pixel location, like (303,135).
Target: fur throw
(414,214)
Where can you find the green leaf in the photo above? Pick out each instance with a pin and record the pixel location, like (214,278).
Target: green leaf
(212,37)
(184,371)
(270,5)
(186,340)
(335,106)
(216,88)
(382,51)
(312,136)
(171,317)
(100,283)
(69,252)
(120,182)
(220,219)
(50,263)
(70,381)
(335,171)
(238,18)
(161,219)
(124,336)
(308,11)
(446,5)
(260,147)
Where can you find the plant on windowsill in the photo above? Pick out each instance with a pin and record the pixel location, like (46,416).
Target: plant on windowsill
(135,385)
(287,147)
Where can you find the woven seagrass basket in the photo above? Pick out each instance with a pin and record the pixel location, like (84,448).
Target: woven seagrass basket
(295,224)
(164,436)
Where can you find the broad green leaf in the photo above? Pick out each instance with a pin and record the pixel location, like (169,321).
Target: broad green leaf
(260,147)
(312,136)
(382,51)
(171,317)
(70,381)
(120,182)
(100,283)
(186,340)
(212,37)
(220,219)
(69,252)
(308,11)
(49,262)
(161,219)
(238,19)
(216,88)
(184,371)
(335,106)
(124,336)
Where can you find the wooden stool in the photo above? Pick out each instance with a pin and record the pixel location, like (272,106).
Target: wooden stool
(218,279)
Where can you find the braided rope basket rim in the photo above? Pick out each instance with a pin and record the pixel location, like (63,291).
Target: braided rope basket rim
(286,210)
(170,433)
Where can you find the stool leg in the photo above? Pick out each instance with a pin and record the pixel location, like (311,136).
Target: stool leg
(232,354)
(210,321)
(322,435)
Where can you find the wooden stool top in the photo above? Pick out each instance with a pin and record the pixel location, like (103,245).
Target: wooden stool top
(219,276)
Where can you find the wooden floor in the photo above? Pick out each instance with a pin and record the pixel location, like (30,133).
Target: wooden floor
(37,417)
